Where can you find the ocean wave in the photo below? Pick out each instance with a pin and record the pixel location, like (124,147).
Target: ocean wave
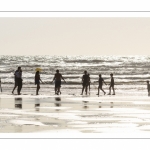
(126,70)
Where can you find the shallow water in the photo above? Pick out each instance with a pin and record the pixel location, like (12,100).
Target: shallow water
(105,114)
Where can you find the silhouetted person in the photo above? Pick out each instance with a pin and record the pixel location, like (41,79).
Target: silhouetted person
(57,78)
(89,82)
(18,80)
(101,81)
(112,83)
(15,79)
(148,88)
(37,82)
(85,81)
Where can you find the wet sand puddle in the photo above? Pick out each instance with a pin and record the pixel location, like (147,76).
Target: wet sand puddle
(75,114)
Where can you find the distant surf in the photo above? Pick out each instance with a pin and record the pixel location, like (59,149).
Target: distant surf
(130,72)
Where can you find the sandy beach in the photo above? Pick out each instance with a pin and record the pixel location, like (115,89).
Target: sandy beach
(47,113)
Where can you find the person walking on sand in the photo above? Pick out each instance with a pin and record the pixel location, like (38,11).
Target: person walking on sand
(18,75)
(85,81)
(57,78)
(112,83)
(148,88)
(101,81)
(37,82)
(15,79)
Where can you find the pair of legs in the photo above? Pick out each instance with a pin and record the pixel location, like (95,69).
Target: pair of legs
(37,89)
(100,88)
(19,89)
(111,86)
(57,90)
(84,87)
(19,85)
(16,84)
(57,87)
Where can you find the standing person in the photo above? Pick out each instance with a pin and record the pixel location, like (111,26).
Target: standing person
(85,81)
(15,79)
(101,81)
(57,78)
(19,80)
(112,83)
(37,82)
(148,88)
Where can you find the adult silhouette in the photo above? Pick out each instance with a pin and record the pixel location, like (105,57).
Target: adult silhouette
(57,78)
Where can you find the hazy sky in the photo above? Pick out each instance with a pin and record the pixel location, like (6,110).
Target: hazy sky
(75,36)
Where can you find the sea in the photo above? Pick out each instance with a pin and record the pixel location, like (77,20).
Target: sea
(130,72)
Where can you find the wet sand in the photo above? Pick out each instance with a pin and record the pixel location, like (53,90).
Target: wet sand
(77,114)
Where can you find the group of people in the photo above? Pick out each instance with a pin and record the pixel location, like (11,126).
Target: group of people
(18,81)
(86,83)
(57,78)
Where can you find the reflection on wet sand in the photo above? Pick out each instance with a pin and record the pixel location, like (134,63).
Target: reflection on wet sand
(85,105)
(100,105)
(111,106)
(57,102)
(37,104)
(85,115)
(18,103)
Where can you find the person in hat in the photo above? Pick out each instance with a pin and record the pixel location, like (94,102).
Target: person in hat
(112,83)
(57,78)
(85,82)
(148,88)
(37,82)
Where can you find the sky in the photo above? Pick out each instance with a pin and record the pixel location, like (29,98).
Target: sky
(75,36)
